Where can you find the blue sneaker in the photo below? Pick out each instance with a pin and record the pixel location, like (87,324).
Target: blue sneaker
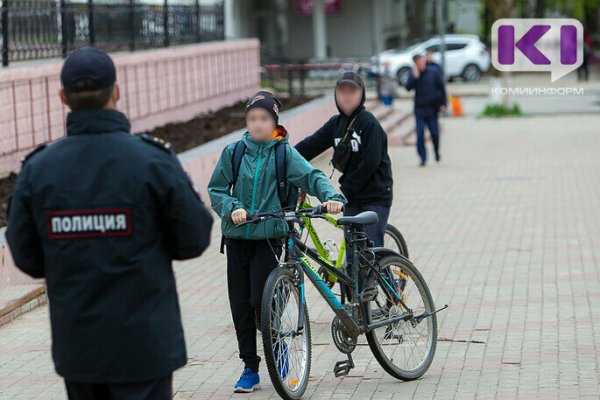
(249,382)
(283,364)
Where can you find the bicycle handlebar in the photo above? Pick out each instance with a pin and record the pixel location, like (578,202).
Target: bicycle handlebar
(289,215)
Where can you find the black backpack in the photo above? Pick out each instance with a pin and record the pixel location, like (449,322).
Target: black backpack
(288,196)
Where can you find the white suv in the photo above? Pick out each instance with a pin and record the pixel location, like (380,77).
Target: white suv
(466,57)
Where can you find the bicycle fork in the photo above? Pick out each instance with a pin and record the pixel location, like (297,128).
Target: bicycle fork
(302,306)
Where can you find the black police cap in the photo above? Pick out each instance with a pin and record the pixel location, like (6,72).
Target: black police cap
(88,69)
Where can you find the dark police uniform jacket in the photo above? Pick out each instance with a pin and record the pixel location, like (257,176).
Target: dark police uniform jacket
(101,214)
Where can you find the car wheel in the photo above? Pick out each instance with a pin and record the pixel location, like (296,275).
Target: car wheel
(402,75)
(471,73)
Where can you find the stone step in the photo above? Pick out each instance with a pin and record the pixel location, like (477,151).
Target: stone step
(394,120)
(382,112)
(403,134)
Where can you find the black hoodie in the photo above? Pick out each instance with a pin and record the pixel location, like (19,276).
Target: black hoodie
(368,176)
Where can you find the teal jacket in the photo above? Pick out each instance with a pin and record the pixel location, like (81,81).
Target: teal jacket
(256,188)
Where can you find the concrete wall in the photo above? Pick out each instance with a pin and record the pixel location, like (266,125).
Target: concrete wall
(362,29)
(200,163)
(465,15)
(157,86)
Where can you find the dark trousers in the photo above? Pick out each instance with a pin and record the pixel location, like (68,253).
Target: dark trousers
(432,125)
(375,232)
(157,389)
(249,263)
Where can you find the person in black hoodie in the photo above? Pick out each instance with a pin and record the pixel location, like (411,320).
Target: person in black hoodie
(367,179)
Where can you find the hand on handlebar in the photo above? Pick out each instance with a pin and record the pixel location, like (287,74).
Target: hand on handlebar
(333,207)
(239,216)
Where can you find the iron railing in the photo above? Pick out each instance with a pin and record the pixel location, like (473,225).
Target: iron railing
(35,29)
(311,78)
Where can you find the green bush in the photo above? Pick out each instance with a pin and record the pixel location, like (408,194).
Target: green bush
(500,110)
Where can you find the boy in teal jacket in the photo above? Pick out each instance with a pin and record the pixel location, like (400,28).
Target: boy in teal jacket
(253,249)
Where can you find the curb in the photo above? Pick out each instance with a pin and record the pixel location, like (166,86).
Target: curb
(26,302)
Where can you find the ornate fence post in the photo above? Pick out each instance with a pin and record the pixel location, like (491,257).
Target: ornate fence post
(92,32)
(132,26)
(220,31)
(64,29)
(166,23)
(5,38)
(91,29)
(197,25)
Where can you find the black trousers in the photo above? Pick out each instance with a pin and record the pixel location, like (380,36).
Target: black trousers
(157,389)
(375,232)
(249,263)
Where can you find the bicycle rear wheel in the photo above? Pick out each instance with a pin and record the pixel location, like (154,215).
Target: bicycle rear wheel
(287,349)
(394,240)
(403,350)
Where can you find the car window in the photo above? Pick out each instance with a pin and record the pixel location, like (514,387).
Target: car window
(455,46)
(435,48)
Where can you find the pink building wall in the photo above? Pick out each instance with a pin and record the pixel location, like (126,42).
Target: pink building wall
(157,87)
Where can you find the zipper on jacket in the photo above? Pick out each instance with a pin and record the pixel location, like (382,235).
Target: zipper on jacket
(254,188)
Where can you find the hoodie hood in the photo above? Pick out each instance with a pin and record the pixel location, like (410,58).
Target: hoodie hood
(280,134)
(358,109)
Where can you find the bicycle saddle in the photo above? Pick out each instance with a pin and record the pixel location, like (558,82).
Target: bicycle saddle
(364,218)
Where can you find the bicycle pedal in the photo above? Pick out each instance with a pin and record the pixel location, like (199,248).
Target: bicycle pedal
(369,294)
(342,368)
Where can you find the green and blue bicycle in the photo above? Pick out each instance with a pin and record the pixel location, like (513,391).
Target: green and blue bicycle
(336,255)
(399,322)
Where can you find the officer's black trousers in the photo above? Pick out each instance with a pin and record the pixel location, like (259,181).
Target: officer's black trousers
(249,263)
(157,389)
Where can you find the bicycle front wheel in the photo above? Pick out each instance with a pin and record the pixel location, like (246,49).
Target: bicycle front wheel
(405,350)
(287,347)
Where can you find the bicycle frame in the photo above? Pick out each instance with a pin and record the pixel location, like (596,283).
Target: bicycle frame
(295,246)
(305,267)
(319,247)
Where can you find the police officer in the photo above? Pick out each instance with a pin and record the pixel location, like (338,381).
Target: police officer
(101,214)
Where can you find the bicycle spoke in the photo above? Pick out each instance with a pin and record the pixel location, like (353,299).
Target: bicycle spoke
(289,345)
(405,346)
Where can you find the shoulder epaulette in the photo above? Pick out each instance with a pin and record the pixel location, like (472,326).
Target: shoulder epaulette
(34,152)
(158,142)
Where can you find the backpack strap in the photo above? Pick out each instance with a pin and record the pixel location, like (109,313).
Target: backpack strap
(281,170)
(345,140)
(347,136)
(236,161)
(288,194)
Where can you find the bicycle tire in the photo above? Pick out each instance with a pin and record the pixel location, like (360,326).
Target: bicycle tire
(273,296)
(397,236)
(374,340)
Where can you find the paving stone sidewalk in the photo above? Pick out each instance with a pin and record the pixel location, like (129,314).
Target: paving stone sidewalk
(506,230)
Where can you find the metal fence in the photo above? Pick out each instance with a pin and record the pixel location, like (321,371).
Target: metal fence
(311,78)
(35,29)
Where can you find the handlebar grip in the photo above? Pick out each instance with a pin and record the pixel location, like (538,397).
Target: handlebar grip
(320,209)
(250,216)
